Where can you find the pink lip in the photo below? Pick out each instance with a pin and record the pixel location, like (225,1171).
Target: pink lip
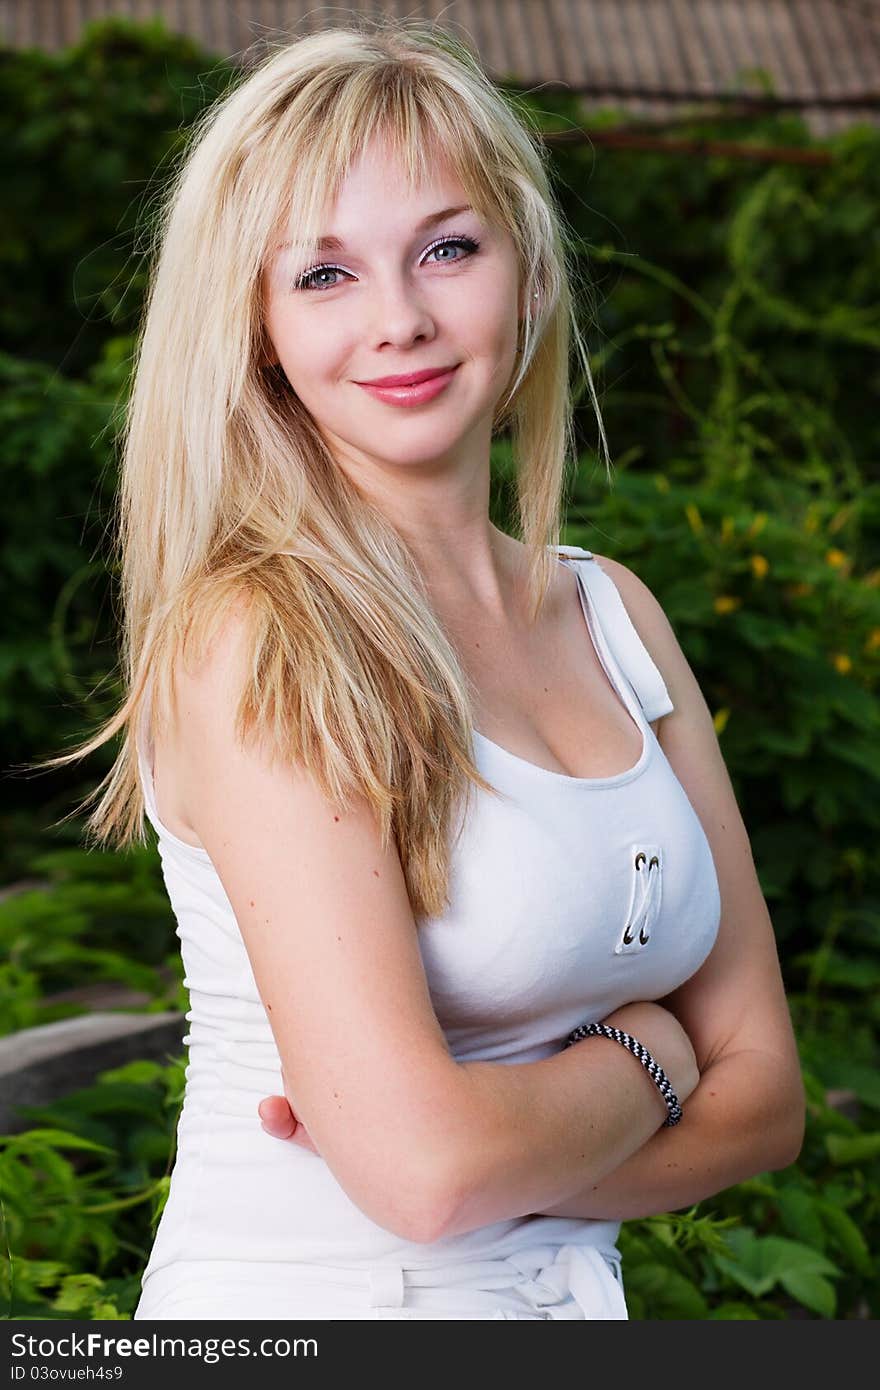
(413,390)
(407,378)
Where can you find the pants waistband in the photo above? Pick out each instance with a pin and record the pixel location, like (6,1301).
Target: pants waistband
(567,1281)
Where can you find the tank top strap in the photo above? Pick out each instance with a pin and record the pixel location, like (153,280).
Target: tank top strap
(628,649)
(144,750)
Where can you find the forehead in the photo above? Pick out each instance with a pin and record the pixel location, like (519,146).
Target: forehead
(431,219)
(381,171)
(377,192)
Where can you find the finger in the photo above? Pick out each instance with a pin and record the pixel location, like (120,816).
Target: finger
(276,1117)
(274,1109)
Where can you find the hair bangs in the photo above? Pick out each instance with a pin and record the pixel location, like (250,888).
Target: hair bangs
(422,121)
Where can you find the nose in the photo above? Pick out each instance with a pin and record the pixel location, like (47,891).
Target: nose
(399,315)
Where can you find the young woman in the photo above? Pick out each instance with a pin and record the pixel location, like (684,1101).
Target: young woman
(428,796)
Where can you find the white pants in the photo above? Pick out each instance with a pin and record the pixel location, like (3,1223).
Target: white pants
(541,1281)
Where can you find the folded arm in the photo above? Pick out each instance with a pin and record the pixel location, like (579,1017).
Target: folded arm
(417,1140)
(430,1147)
(735,1126)
(747,1114)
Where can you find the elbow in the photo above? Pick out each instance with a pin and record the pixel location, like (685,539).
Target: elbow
(784,1156)
(463,1198)
(438,1219)
(436,1174)
(421,1203)
(797,1145)
(429,1225)
(436,1214)
(404,1174)
(791,1139)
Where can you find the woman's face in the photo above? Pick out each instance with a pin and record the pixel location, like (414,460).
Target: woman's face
(399,290)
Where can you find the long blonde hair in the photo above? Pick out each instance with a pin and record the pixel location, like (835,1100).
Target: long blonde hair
(227,490)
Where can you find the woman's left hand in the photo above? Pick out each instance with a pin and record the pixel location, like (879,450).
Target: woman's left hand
(277,1118)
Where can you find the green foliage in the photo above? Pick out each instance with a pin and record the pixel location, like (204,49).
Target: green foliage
(82,1192)
(793,1243)
(780,620)
(57,486)
(734,301)
(90,135)
(48,935)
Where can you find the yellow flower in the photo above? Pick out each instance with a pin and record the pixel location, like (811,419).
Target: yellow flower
(757,525)
(693,515)
(840,518)
(835,558)
(720,719)
(760,566)
(842,662)
(872,642)
(726,603)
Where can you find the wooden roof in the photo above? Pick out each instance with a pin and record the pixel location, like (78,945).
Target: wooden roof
(656,59)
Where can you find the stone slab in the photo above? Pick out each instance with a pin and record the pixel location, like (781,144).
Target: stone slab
(40,1065)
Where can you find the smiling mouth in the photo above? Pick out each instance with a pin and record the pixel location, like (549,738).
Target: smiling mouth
(386,383)
(411,393)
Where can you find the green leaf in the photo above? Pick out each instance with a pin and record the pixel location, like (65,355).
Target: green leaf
(801,1216)
(854,1148)
(665,1292)
(34,1139)
(732,1310)
(761,1262)
(137,1073)
(789,1255)
(840,1073)
(846,1234)
(811,1290)
(754,1282)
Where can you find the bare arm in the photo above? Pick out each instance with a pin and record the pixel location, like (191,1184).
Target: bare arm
(548,1124)
(747,1114)
(732,1131)
(418,1141)
(521,1096)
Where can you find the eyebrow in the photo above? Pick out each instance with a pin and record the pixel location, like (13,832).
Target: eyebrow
(332,243)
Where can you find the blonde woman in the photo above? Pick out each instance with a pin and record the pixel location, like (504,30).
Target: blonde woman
(428,797)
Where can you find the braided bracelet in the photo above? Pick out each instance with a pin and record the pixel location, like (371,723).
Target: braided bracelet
(654,1070)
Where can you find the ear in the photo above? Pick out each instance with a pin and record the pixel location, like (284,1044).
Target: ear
(528,298)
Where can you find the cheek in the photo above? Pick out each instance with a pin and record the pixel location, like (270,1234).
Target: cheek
(307,354)
(502,330)
(498,312)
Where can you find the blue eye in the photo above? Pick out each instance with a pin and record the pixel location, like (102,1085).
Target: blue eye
(306,281)
(466,243)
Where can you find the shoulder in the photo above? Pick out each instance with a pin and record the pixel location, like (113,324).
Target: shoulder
(205,718)
(649,619)
(213,667)
(220,636)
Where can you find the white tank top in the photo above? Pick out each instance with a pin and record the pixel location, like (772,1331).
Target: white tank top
(569,897)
